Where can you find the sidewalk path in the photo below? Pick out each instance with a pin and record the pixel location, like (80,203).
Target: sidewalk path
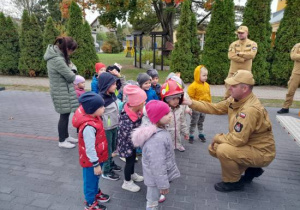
(266,92)
(37,175)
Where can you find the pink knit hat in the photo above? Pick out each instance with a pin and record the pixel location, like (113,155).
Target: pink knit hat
(156,110)
(78,79)
(134,95)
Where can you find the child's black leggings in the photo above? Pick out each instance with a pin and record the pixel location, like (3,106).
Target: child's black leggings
(129,166)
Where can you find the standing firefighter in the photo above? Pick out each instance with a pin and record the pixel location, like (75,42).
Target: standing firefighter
(241,53)
(249,144)
(294,80)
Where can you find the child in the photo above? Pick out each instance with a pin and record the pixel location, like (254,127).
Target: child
(176,78)
(131,118)
(79,85)
(92,147)
(115,70)
(107,88)
(172,93)
(159,166)
(121,103)
(128,82)
(99,68)
(144,81)
(154,82)
(198,90)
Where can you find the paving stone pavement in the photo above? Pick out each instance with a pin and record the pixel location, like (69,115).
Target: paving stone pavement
(35,174)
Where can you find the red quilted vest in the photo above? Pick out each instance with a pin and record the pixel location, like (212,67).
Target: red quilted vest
(81,120)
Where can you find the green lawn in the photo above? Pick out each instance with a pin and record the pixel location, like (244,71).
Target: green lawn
(128,70)
(110,59)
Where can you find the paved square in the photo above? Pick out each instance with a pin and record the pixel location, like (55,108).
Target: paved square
(35,174)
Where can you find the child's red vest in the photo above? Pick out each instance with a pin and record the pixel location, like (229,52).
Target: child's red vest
(81,120)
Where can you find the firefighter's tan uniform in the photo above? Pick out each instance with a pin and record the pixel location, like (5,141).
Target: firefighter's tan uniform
(241,53)
(249,142)
(294,81)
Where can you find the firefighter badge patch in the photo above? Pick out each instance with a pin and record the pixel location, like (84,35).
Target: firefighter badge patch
(238,127)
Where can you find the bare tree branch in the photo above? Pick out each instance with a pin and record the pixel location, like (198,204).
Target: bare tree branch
(25,4)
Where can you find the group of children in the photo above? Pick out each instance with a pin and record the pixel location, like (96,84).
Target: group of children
(146,115)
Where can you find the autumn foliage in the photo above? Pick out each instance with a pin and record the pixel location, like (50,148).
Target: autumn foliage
(64,8)
(175,2)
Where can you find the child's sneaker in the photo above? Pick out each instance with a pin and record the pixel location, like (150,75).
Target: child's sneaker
(101,197)
(181,148)
(202,137)
(66,144)
(137,178)
(123,159)
(130,186)
(191,139)
(111,176)
(71,139)
(162,198)
(115,167)
(94,206)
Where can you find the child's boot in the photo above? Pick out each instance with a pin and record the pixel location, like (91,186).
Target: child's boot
(202,137)
(94,206)
(191,139)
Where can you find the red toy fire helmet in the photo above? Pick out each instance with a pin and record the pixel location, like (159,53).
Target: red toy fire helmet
(169,88)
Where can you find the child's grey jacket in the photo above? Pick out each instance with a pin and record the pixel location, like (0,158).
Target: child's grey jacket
(159,166)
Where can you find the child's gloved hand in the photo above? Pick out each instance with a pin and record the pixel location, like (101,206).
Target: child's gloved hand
(97,170)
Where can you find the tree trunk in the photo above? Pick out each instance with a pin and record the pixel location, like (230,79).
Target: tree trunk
(166,18)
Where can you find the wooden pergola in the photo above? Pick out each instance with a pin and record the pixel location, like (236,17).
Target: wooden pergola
(166,47)
(138,35)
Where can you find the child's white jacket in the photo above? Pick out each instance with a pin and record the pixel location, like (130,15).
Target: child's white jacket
(178,125)
(159,166)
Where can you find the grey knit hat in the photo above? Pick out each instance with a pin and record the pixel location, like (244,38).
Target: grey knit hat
(142,78)
(174,77)
(152,73)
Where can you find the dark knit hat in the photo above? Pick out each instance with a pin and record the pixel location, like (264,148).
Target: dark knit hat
(142,78)
(152,73)
(110,68)
(90,102)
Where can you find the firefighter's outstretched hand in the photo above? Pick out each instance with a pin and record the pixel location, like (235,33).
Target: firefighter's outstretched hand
(186,101)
